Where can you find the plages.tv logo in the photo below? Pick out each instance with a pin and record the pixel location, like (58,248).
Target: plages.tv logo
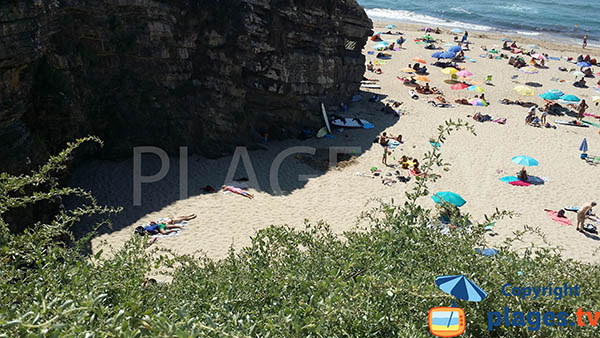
(450,321)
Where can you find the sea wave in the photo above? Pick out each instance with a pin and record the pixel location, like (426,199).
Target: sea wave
(401,15)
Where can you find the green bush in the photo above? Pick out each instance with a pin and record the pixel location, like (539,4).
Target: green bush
(377,281)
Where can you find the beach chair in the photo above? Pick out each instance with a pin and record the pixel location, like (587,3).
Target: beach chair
(488,79)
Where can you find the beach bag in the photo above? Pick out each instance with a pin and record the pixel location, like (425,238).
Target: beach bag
(590,228)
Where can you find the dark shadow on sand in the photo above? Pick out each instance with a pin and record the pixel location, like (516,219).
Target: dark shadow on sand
(112,181)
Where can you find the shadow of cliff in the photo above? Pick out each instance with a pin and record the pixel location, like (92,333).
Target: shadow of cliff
(112,181)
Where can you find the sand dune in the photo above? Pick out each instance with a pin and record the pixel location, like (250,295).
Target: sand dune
(338,196)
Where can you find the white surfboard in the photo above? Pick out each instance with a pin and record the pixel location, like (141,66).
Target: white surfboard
(325,117)
(352,123)
(370,86)
(567,123)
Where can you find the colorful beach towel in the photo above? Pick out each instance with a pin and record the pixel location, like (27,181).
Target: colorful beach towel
(509,179)
(554,215)
(519,183)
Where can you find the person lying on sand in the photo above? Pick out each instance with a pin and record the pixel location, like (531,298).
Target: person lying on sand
(158,228)
(238,191)
(580,83)
(463,101)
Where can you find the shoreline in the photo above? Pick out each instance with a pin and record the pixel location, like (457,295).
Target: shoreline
(562,45)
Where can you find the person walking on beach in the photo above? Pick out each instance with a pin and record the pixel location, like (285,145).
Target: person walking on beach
(584,41)
(385,155)
(582,213)
(464,37)
(581,109)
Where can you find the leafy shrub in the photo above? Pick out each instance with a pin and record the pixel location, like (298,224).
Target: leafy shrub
(378,281)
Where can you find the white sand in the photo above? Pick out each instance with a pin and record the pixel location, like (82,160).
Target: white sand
(339,196)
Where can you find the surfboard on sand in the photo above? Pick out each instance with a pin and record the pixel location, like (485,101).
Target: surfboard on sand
(325,118)
(571,123)
(352,123)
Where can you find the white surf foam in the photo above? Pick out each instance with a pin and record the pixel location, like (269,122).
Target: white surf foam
(407,16)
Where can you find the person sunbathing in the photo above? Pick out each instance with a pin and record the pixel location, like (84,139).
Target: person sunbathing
(462,101)
(416,169)
(441,99)
(155,228)
(505,45)
(522,175)
(179,219)
(370,67)
(580,83)
(514,45)
(588,72)
(238,191)
(404,162)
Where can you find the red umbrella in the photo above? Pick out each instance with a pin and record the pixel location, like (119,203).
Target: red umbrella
(459,86)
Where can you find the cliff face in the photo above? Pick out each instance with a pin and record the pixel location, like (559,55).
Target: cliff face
(205,74)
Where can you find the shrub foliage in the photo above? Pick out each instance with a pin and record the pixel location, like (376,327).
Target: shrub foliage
(377,281)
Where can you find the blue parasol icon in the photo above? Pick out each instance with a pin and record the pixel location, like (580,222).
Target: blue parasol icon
(460,287)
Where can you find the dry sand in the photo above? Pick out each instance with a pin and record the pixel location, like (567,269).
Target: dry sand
(339,196)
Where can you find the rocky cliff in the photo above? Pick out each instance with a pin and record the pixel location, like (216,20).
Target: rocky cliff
(205,74)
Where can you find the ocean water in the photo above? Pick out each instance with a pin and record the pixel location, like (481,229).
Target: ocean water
(551,19)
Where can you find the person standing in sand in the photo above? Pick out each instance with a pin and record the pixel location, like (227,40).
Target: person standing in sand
(582,213)
(385,155)
(581,109)
(584,42)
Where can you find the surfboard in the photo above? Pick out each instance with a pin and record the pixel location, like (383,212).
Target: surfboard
(570,123)
(352,123)
(370,86)
(325,117)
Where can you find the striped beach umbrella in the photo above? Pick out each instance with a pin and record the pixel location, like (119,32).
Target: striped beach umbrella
(460,287)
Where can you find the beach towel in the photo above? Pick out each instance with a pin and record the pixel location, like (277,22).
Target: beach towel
(519,183)
(509,179)
(393,144)
(554,215)
(487,252)
(412,172)
(535,180)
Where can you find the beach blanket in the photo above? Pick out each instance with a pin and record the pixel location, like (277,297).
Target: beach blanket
(519,183)
(487,252)
(393,144)
(535,180)
(554,215)
(509,179)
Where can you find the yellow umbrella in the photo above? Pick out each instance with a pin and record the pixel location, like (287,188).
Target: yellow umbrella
(596,99)
(524,90)
(419,60)
(407,70)
(422,78)
(449,70)
(476,89)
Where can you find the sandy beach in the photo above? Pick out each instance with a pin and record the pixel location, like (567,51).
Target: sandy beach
(338,196)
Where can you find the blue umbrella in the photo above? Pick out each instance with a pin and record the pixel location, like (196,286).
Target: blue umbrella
(583,64)
(390,26)
(569,98)
(455,49)
(525,160)
(456,30)
(460,287)
(583,147)
(381,44)
(436,55)
(447,55)
(450,197)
